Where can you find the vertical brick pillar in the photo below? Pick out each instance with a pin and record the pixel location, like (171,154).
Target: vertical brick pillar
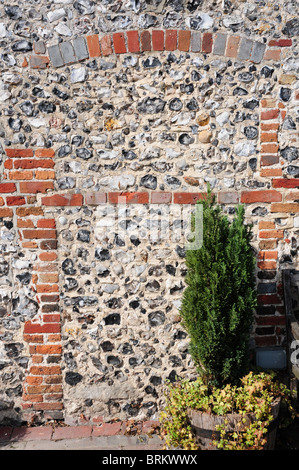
(29,173)
(270,320)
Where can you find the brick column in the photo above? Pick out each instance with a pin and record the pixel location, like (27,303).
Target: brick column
(31,172)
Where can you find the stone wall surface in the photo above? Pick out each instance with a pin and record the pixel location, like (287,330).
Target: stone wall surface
(114,117)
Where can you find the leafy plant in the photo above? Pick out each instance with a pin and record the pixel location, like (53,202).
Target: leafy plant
(255,395)
(218,302)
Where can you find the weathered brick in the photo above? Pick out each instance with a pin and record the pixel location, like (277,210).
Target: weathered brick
(80,48)
(271,114)
(38,62)
(260,196)
(15,201)
(133,41)
(232,46)
(161,197)
(245,49)
(20,175)
(55,56)
(207,42)
(187,198)
(145,41)
(94,199)
(228,197)
(63,200)
(219,44)
(93,45)
(67,52)
(280,42)
(184,40)
(171,40)
(128,198)
(272,54)
(195,42)
(106,45)
(257,52)
(285,207)
(36,187)
(7,188)
(158,40)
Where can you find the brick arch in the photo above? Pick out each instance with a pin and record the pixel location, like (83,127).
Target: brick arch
(43,389)
(134,42)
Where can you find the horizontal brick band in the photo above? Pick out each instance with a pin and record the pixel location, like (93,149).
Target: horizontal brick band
(91,46)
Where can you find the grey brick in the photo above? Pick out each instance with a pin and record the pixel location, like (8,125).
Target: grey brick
(195,41)
(55,56)
(67,53)
(80,48)
(245,49)
(257,53)
(219,44)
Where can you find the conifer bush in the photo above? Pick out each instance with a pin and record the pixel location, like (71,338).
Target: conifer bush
(220,296)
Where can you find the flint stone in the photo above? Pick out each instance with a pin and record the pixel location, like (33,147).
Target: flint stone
(151,105)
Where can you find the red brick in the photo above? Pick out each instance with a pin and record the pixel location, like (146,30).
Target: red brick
(271,172)
(271,234)
(50,298)
(107,429)
(158,40)
(268,254)
(72,432)
(32,434)
(51,256)
(27,211)
(26,164)
(145,41)
(286,183)
(128,198)
(63,200)
(171,40)
(44,153)
(288,207)
(260,196)
(133,41)
(19,153)
(36,187)
(5,212)
(20,175)
(15,201)
(272,54)
(268,299)
(48,349)
(268,137)
(46,223)
(32,328)
(271,114)
(280,42)
(45,175)
(7,187)
(161,197)
(184,40)
(8,164)
(33,338)
(207,42)
(34,234)
(43,288)
(119,43)
(266,265)
(106,45)
(232,46)
(48,244)
(48,406)
(45,370)
(269,148)
(266,224)
(93,45)
(187,198)
(273,126)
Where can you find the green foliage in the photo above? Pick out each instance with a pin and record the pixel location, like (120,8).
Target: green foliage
(218,302)
(255,395)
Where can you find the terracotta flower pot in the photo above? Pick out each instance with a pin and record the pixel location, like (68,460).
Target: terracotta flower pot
(204,426)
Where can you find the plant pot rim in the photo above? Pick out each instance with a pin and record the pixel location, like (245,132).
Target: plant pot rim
(204,420)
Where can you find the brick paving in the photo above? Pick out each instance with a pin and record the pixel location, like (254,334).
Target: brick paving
(108,436)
